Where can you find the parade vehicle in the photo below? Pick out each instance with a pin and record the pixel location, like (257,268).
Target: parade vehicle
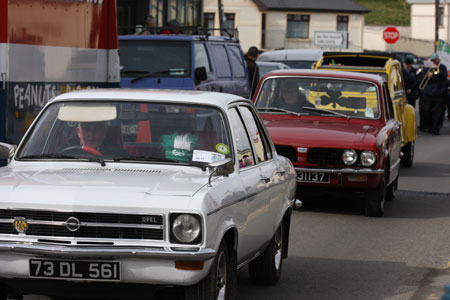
(391,69)
(48,48)
(338,129)
(184,61)
(294,58)
(115,190)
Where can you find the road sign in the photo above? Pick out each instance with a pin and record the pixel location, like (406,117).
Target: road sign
(331,39)
(391,35)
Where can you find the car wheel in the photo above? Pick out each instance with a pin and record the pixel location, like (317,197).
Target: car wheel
(375,199)
(220,281)
(408,155)
(266,268)
(390,190)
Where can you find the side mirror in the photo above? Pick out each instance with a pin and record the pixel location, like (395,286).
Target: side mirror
(6,151)
(220,168)
(200,74)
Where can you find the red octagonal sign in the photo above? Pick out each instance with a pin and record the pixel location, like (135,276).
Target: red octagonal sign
(391,35)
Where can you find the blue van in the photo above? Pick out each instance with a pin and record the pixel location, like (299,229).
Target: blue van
(187,62)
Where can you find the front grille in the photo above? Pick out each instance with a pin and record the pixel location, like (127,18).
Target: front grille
(93,225)
(325,156)
(287,151)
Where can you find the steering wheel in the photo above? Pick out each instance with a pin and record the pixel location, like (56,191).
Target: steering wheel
(80,149)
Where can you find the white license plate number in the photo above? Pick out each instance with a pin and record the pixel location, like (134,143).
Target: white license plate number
(90,270)
(313,177)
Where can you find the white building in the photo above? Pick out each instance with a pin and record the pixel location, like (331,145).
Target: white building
(272,24)
(423,19)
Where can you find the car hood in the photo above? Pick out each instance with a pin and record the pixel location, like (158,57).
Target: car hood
(99,186)
(320,133)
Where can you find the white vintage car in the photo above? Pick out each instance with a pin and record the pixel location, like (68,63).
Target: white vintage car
(153,187)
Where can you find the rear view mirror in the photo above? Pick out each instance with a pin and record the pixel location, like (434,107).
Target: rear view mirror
(6,151)
(200,74)
(220,168)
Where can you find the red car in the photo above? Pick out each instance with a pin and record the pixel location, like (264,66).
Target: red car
(337,128)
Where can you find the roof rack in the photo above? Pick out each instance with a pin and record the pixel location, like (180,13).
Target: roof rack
(203,32)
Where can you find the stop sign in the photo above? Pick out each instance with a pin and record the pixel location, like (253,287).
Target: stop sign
(391,35)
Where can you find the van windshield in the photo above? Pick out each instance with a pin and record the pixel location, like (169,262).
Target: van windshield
(155,58)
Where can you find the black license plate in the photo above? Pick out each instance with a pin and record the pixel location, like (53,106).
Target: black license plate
(91,270)
(313,177)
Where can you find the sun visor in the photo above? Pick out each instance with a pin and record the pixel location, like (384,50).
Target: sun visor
(87,113)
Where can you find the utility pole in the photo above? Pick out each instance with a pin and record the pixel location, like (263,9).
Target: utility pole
(436,24)
(219,3)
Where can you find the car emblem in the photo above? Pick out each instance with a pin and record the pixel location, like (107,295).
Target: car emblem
(73,224)
(20,224)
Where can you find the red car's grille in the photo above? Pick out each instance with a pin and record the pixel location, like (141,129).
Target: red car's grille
(325,156)
(287,151)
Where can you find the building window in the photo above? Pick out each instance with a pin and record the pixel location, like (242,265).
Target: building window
(297,26)
(228,25)
(441,16)
(208,21)
(342,23)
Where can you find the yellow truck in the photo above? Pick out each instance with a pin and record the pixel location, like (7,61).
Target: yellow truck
(391,69)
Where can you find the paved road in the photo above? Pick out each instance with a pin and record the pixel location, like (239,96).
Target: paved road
(338,253)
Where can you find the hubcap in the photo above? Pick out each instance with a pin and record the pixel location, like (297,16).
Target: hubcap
(221,279)
(278,246)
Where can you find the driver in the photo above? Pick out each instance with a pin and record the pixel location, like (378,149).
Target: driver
(93,139)
(292,99)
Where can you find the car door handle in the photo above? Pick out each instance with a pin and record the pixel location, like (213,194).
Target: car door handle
(265,179)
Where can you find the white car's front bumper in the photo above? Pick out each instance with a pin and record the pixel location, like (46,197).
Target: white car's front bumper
(150,265)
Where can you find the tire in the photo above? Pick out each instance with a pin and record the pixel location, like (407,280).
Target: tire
(408,155)
(266,268)
(390,190)
(375,199)
(220,282)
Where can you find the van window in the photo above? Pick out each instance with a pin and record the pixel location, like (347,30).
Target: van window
(201,57)
(236,62)
(168,58)
(219,55)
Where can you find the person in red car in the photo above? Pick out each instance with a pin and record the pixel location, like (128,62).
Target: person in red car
(293,99)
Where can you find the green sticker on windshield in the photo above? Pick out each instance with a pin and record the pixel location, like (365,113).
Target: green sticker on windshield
(222,148)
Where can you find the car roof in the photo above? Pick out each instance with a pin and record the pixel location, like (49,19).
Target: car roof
(291,54)
(326,73)
(271,64)
(151,95)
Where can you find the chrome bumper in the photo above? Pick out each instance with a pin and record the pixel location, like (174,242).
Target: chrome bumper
(342,171)
(186,254)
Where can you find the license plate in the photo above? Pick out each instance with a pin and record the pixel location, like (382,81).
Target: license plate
(91,270)
(313,177)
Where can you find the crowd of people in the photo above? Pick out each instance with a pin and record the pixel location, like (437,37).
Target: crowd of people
(429,86)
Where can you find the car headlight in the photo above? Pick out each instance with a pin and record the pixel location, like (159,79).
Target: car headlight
(368,158)
(349,157)
(186,228)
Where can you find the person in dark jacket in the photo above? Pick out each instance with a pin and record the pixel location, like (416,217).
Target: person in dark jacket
(253,69)
(434,95)
(411,84)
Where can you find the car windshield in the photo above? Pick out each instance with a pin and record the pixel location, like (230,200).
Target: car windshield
(155,58)
(324,96)
(128,131)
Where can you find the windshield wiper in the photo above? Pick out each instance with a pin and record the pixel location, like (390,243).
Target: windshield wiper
(159,160)
(326,111)
(62,156)
(133,71)
(150,74)
(278,110)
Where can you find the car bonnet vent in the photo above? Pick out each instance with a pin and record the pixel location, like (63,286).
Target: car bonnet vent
(112,170)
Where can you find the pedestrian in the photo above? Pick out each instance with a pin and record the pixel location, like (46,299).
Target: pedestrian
(434,94)
(149,26)
(253,70)
(409,73)
(173,27)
